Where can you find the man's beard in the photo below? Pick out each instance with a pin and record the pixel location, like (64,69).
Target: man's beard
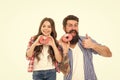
(75,38)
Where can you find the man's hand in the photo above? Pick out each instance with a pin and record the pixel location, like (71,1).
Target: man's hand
(65,46)
(87,42)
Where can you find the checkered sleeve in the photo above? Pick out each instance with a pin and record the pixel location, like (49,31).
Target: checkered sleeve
(31,59)
(28,47)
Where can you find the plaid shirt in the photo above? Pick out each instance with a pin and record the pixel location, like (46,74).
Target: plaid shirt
(31,59)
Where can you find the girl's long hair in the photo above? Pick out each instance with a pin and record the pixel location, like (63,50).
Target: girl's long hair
(38,49)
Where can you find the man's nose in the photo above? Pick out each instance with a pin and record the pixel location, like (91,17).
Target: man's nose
(73,28)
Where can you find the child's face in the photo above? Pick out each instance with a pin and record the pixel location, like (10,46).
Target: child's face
(46,28)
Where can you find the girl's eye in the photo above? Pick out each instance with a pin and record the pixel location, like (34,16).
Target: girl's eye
(49,26)
(43,26)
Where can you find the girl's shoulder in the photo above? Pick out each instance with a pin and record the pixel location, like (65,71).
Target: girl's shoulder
(32,38)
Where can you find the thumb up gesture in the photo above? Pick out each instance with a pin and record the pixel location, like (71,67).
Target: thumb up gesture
(87,42)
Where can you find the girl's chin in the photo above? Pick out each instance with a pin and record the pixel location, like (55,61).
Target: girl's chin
(46,34)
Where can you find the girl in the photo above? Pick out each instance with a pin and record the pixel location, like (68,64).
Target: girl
(43,57)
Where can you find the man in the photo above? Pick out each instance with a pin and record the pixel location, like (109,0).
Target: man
(79,51)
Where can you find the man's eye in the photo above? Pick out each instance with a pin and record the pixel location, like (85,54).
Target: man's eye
(70,25)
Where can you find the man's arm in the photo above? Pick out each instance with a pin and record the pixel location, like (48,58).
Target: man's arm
(100,49)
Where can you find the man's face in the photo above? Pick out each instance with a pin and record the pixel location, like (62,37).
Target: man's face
(72,28)
(71,25)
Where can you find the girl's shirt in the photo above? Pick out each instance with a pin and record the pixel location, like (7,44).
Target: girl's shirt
(45,61)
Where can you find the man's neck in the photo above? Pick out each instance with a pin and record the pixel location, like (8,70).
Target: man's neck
(73,45)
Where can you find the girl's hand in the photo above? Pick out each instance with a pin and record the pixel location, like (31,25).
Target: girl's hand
(51,41)
(37,41)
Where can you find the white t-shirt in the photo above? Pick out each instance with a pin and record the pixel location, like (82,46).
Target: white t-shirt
(78,65)
(44,63)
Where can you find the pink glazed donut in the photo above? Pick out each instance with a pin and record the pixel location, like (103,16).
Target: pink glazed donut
(67,37)
(44,40)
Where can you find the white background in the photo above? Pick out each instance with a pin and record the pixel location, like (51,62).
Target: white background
(20,19)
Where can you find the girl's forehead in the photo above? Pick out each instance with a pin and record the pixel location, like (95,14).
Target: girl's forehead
(46,22)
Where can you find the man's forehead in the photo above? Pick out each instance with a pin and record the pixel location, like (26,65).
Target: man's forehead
(72,21)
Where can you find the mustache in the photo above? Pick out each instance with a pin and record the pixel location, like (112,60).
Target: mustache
(73,31)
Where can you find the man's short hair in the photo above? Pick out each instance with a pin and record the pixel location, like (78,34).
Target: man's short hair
(69,17)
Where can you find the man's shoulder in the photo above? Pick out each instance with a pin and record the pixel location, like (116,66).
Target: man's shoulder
(82,37)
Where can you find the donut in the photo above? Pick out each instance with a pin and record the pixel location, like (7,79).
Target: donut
(67,37)
(44,40)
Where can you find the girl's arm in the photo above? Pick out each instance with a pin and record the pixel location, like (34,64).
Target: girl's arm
(57,52)
(32,44)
